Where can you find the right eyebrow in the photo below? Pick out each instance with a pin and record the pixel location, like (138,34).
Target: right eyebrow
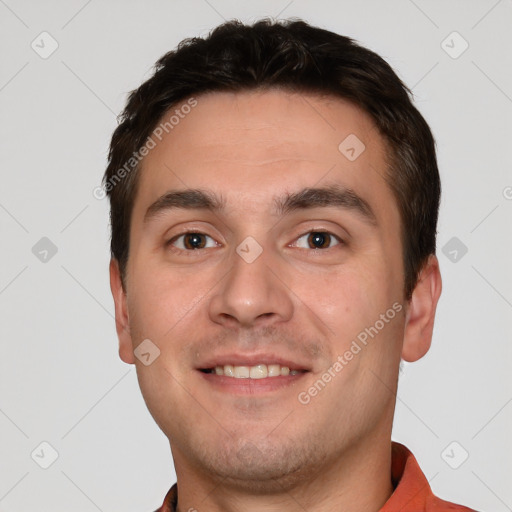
(187,199)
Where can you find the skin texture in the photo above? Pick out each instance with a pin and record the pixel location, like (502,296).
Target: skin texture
(267,450)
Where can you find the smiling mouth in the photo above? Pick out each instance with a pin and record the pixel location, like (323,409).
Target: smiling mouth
(259,371)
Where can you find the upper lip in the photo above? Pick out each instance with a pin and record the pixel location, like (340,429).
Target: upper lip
(237,359)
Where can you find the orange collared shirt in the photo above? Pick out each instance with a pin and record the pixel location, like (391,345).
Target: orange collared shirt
(412,491)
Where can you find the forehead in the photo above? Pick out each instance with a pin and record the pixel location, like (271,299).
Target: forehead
(250,146)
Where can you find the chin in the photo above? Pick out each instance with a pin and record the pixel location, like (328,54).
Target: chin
(262,466)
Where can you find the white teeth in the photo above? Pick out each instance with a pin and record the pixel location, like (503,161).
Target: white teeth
(241,372)
(259,371)
(274,370)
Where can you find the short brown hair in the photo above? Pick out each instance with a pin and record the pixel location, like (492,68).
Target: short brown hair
(297,57)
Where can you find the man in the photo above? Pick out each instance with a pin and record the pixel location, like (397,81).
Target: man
(274,199)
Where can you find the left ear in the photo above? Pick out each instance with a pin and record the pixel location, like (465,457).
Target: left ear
(421,311)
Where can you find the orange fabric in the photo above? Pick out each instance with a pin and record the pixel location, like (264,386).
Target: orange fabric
(412,491)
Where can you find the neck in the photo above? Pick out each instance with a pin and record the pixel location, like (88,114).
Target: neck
(358,479)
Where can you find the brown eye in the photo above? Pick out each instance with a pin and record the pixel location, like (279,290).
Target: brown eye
(192,241)
(317,240)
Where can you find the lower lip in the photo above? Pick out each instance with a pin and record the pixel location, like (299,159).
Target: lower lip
(251,386)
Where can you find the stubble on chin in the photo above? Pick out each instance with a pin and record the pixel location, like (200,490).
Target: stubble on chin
(264,466)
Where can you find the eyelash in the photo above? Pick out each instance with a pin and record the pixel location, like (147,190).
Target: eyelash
(170,242)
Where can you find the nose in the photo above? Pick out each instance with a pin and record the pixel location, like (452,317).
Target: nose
(251,295)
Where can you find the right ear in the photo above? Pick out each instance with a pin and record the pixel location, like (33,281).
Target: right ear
(121,313)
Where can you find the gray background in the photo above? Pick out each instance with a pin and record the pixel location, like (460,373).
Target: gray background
(61,379)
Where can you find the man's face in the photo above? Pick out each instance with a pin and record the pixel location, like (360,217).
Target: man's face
(330,267)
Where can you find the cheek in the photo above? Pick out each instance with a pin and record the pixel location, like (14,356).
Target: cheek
(168,304)
(348,299)
(156,303)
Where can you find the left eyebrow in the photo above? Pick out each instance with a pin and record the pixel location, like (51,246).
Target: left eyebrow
(307,198)
(323,197)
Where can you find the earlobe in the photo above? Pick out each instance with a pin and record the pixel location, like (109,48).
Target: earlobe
(421,312)
(121,313)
